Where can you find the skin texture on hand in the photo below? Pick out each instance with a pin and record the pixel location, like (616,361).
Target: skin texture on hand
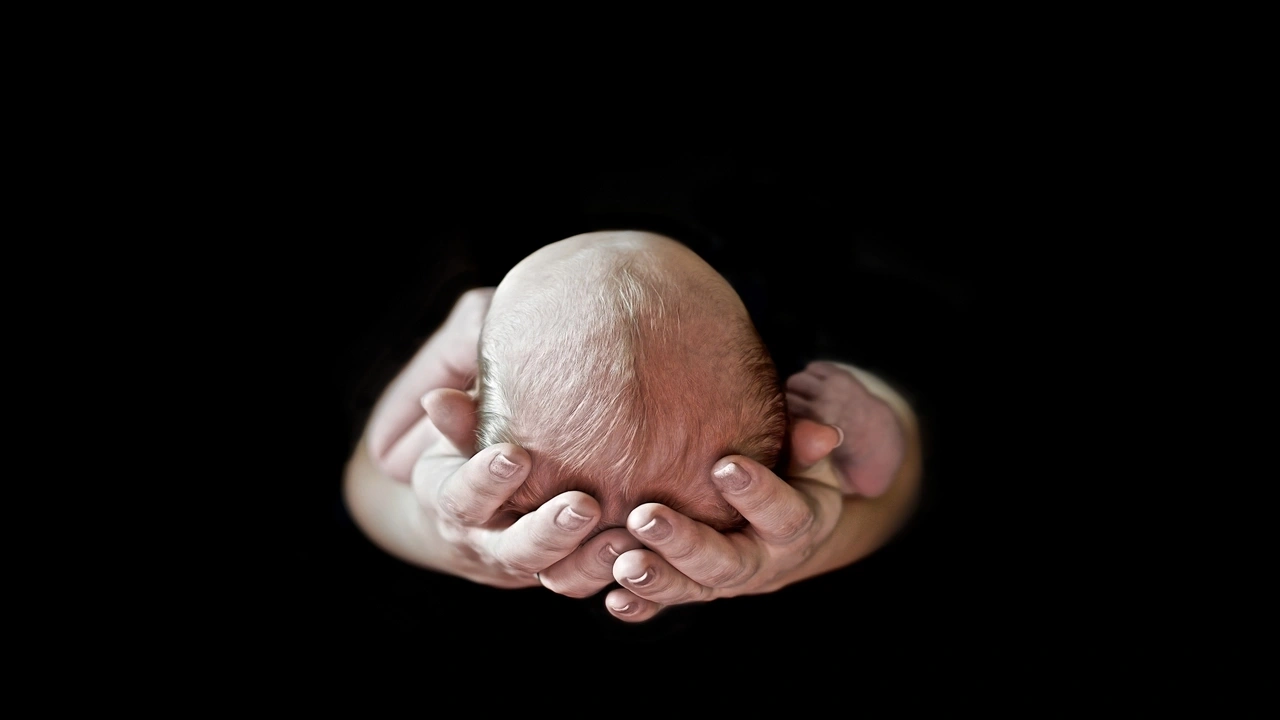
(417,489)
(398,431)
(447,519)
(797,530)
(686,561)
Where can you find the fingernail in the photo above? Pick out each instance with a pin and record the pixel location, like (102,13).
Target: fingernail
(840,434)
(657,529)
(732,478)
(608,554)
(423,401)
(624,609)
(570,520)
(502,467)
(644,579)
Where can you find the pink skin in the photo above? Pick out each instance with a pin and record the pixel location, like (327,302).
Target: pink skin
(860,447)
(463,493)
(553,547)
(874,443)
(661,557)
(459,492)
(686,561)
(540,304)
(398,431)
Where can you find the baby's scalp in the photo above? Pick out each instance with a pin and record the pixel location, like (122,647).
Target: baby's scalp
(626,366)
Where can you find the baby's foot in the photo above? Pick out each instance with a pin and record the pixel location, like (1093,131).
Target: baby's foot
(873,446)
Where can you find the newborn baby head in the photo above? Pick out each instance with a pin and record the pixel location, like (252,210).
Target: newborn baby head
(626,366)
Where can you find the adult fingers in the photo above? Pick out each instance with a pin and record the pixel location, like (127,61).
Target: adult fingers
(398,460)
(400,406)
(646,574)
(547,535)
(776,511)
(627,606)
(693,550)
(450,413)
(453,412)
(447,359)
(472,490)
(587,570)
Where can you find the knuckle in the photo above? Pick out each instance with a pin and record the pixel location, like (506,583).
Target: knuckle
(681,550)
(449,506)
(793,526)
(450,532)
(660,594)
(725,574)
(458,512)
(530,553)
(669,585)
(478,484)
(691,593)
(598,572)
(759,501)
(807,551)
(545,543)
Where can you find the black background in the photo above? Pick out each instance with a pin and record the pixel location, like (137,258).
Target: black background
(900,260)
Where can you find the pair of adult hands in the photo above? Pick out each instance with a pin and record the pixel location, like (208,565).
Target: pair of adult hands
(660,558)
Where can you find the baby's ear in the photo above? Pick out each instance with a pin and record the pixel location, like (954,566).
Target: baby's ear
(811,442)
(453,412)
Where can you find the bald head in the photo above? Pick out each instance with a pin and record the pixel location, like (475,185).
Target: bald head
(626,366)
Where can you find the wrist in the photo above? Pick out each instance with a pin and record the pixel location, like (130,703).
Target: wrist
(387,512)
